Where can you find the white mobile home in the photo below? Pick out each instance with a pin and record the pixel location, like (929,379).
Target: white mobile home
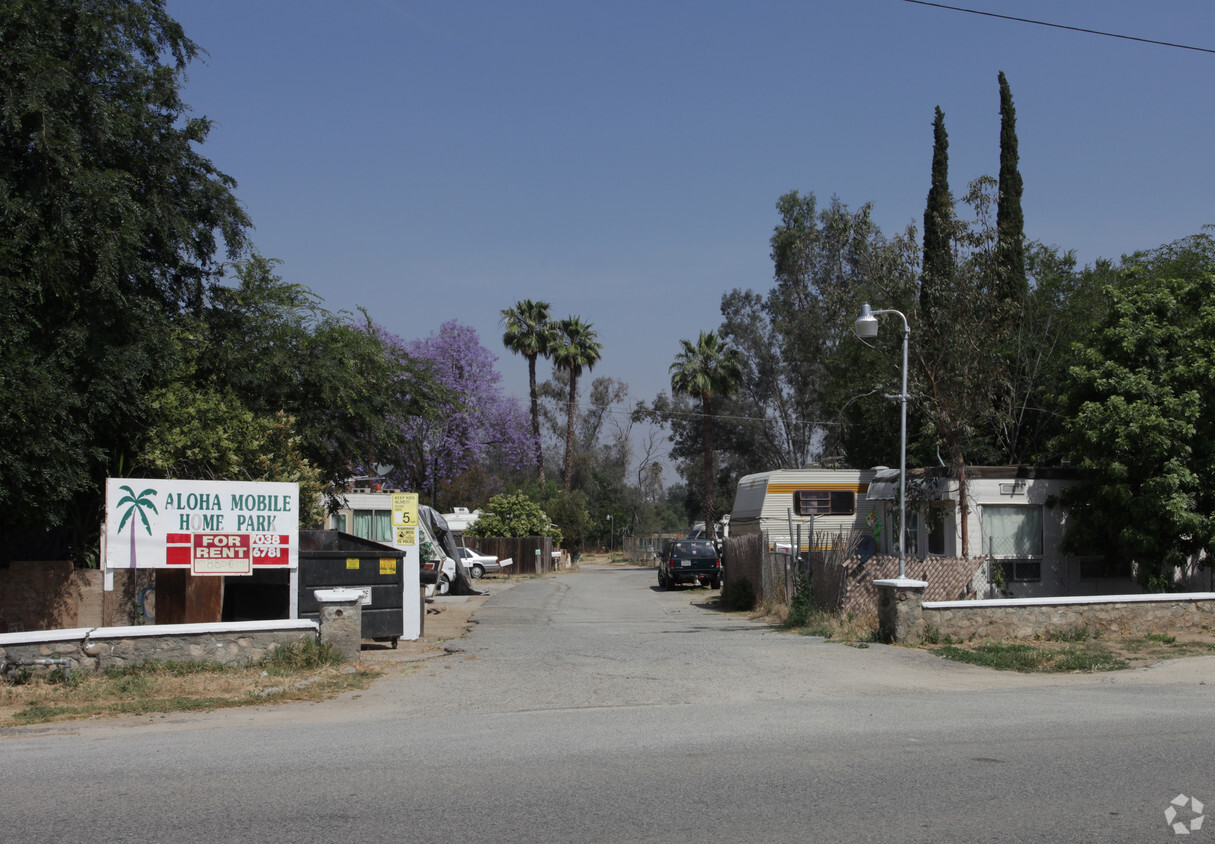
(818,500)
(1015,517)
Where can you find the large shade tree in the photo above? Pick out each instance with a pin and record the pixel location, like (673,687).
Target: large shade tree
(1140,416)
(529,331)
(576,348)
(708,368)
(267,345)
(113,225)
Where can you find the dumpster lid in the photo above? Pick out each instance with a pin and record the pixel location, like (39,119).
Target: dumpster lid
(326,543)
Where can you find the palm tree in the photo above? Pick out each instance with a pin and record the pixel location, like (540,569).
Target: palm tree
(577,347)
(137,502)
(530,332)
(711,367)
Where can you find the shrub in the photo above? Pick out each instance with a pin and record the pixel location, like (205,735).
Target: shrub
(302,655)
(803,603)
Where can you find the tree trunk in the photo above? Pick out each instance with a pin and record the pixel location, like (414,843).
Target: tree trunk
(963,510)
(569,434)
(531,383)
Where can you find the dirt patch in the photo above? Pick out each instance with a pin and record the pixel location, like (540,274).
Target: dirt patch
(448,618)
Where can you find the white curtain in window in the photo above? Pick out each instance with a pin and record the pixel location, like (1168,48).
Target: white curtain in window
(375,525)
(1012,530)
(383,526)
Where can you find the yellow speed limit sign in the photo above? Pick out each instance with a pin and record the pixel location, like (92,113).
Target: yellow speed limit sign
(404,509)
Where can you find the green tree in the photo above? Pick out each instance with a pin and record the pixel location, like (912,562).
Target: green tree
(572,516)
(1010,222)
(207,432)
(348,386)
(1063,307)
(1140,416)
(576,348)
(800,396)
(938,266)
(112,223)
(513,515)
(708,368)
(530,332)
(959,369)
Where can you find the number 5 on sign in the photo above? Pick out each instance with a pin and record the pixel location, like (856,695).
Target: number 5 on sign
(404,509)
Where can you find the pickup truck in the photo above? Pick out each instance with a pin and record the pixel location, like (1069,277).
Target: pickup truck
(690,561)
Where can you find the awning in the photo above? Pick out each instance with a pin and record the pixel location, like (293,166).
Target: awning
(884,486)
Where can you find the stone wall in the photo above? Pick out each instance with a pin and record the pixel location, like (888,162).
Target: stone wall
(99,648)
(1117,615)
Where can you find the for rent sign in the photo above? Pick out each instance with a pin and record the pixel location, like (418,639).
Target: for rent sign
(211,527)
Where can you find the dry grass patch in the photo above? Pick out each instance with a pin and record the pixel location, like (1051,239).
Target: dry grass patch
(307,673)
(832,625)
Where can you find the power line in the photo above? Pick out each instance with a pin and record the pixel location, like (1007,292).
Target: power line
(1062,26)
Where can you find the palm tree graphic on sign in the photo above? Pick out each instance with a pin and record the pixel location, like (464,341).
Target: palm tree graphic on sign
(138,503)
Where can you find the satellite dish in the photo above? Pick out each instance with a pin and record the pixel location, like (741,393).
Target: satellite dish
(866,547)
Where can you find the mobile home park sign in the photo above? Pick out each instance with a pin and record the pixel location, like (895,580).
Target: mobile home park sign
(204,527)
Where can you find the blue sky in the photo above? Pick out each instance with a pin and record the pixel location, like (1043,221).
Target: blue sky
(433,160)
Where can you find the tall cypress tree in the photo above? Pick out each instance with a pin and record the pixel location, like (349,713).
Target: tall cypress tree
(1010,223)
(938,267)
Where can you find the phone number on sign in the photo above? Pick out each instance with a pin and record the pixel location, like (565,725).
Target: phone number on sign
(270,546)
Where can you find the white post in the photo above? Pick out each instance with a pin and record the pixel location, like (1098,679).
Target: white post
(866,327)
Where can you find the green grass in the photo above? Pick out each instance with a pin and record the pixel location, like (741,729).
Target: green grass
(1075,633)
(1025,657)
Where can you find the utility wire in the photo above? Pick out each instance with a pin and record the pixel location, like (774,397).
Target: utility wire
(1062,26)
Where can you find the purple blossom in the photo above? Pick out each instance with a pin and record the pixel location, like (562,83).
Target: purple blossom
(481,425)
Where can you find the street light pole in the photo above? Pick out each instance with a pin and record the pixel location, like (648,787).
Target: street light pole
(867,328)
(611,534)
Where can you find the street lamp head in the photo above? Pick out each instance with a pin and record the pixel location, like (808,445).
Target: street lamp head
(866,325)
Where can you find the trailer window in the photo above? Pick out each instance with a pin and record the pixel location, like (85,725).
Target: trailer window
(375,525)
(824,502)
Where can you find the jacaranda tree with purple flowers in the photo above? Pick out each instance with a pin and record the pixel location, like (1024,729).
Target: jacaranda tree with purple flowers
(480,425)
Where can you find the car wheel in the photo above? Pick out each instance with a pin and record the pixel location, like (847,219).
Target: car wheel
(715,583)
(444,585)
(477,571)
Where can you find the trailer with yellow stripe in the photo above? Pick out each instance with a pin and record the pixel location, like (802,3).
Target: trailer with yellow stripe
(820,501)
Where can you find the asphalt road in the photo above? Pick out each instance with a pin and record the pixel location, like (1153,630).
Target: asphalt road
(592,707)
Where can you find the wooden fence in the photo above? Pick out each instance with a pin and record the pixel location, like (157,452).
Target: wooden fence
(839,580)
(531,554)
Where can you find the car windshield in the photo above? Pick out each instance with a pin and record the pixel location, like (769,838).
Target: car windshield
(689,548)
